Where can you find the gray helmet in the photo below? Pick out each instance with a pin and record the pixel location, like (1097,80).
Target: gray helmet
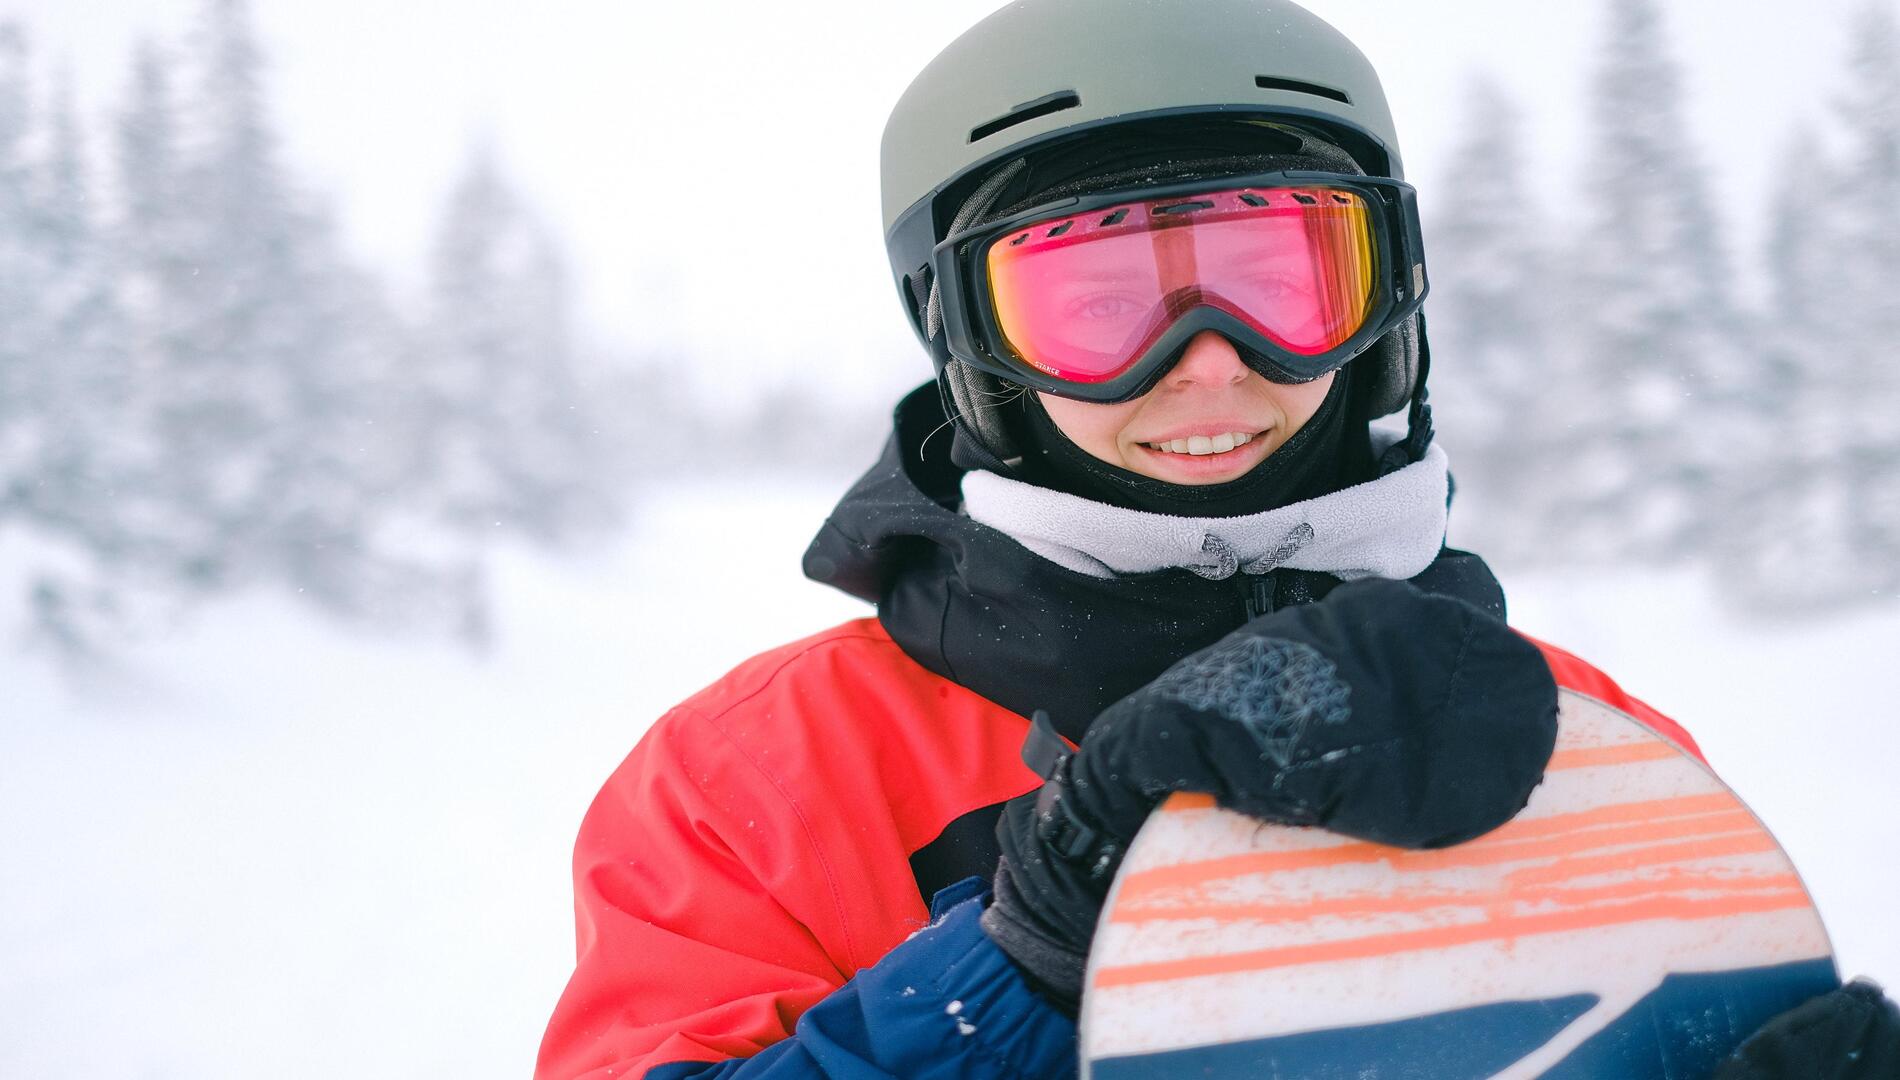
(1039,73)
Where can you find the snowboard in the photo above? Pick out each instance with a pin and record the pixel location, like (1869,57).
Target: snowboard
(1635,922)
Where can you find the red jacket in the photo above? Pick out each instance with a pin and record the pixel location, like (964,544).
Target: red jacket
(754,851)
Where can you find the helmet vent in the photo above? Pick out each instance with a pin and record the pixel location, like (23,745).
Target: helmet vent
(1268,82)
(1027,111)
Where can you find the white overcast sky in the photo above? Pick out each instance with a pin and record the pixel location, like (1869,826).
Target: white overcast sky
(641,127)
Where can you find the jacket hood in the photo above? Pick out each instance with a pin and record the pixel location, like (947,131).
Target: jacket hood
(968,602)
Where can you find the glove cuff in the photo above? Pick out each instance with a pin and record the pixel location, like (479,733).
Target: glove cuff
(1052,968)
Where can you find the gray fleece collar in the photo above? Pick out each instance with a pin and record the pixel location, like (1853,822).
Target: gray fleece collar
(1391,527)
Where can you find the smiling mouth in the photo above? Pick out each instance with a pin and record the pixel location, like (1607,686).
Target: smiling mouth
(1202,445)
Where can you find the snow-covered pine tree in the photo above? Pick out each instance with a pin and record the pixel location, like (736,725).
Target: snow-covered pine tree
(1788,546)
(220,408)
(1825,527)
(1495,384)
(20,326)
(154,252)
(1868,195)
(80,356)
(84,356)
(82,404)
(65,196)
(60,383)
(151,242)
(285,356)
(513,434)
(1656,409)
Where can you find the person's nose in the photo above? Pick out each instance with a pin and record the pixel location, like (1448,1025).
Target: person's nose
(1210,360)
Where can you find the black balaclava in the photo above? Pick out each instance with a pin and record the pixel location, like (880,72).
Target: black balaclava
(1332,451)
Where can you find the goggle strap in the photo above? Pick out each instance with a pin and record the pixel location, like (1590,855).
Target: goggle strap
(1418,419)
(979,203)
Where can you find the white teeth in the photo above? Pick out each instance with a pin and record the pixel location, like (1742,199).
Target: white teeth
(1203,445)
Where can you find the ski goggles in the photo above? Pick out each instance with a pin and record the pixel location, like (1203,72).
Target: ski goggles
(1096,297)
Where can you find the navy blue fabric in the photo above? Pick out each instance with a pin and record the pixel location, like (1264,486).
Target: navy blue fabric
(945,1005)
(1681,1030)
(1689,1024)
(1467,1044)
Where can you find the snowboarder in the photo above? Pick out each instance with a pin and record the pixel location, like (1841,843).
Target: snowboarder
(1168,269)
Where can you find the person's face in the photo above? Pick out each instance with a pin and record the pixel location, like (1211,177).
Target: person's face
(1209,420)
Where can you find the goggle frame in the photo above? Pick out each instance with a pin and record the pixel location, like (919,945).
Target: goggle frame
(960,270)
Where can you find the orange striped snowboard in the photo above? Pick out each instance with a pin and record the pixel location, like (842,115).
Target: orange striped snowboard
(1635,921)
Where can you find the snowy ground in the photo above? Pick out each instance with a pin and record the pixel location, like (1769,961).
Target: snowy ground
(272,848)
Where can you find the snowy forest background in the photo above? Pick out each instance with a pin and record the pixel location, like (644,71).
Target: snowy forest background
(201,392)
(331,586)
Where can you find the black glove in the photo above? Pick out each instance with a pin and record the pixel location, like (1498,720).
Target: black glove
(1380,712)
(1850,1034)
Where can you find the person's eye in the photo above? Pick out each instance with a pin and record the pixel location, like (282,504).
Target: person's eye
(1103,306)
(1275,286)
